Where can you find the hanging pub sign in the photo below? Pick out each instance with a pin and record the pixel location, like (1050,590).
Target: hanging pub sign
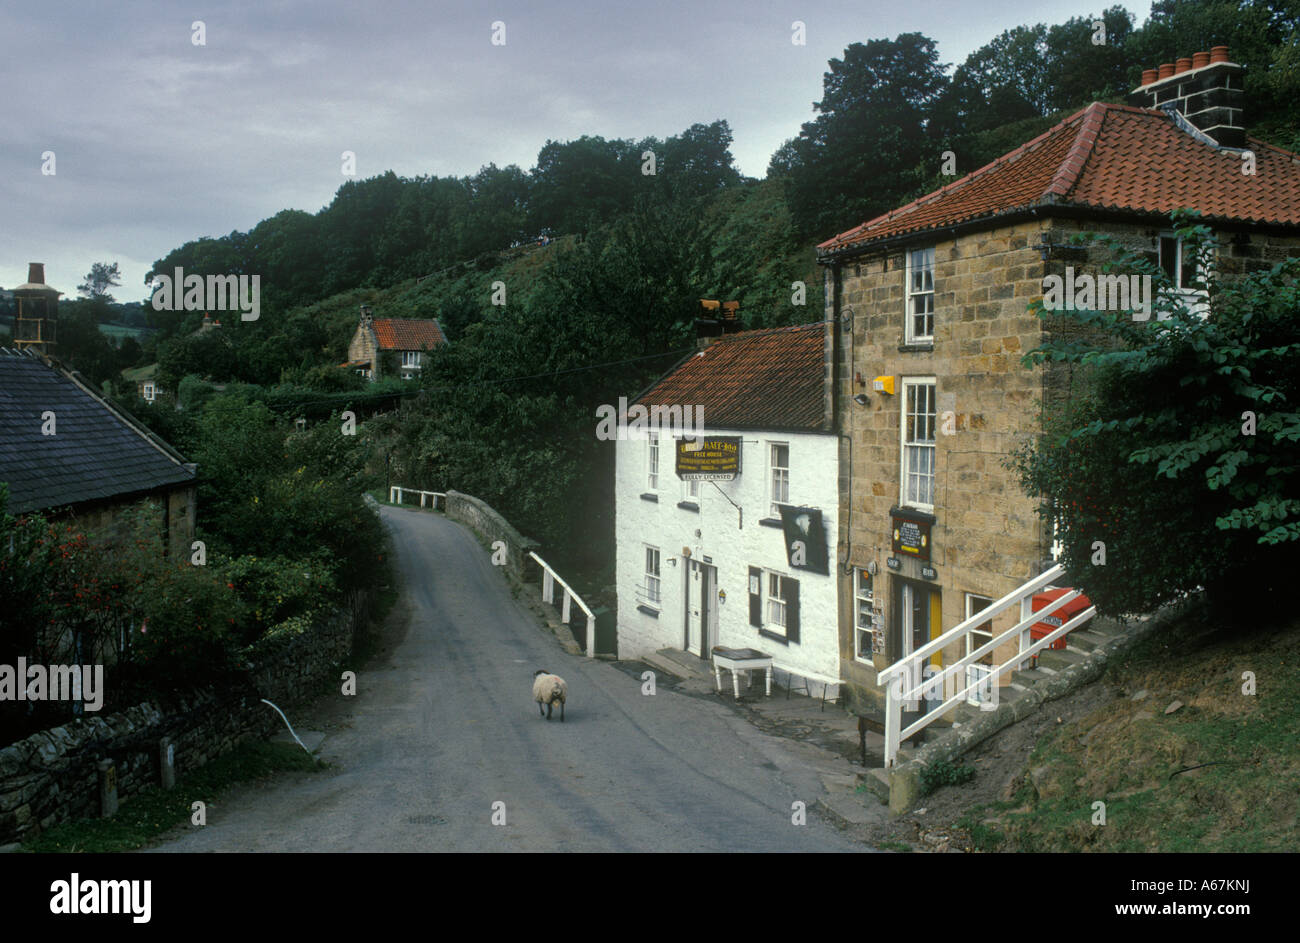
(911,536)
(708,458)
(805,539)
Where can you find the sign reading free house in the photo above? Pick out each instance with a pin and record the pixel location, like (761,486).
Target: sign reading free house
(708,458)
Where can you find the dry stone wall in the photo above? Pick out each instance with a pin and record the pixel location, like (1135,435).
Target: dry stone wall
(52,776)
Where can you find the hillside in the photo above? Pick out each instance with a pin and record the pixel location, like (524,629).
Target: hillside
(1166,738)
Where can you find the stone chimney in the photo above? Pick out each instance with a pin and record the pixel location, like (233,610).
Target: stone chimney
(37,319)
(1205,89)
(717,319)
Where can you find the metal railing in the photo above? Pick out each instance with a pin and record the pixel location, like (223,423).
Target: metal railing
(549,579)
(395,493)
(904,682)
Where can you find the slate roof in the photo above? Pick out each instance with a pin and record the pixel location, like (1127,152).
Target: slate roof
(408,334)
(1105,158)
(773,379)
(96,452)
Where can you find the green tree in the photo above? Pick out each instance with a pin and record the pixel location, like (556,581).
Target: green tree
(101,278)
(860,156)
(1180,450)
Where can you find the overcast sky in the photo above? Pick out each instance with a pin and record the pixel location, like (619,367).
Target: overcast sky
(158,141)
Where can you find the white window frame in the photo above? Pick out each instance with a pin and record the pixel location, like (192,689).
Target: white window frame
(411,359)
(778,477)
(771,599)
(1197,302)
(653,576)
(652,461)
(905,469)
(149,392)
(919,293)
(863,606)
(972,643)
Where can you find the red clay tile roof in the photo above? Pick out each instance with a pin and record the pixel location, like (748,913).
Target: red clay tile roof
(408,334)
(1106,157)
(752,380)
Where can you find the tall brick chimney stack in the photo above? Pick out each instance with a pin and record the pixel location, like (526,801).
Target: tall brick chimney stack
(1206,89)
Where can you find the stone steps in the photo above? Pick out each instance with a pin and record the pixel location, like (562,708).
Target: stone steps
(1059,659)
(1081,646)
(1081,640)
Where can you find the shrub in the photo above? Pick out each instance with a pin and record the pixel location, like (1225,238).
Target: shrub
(944,773)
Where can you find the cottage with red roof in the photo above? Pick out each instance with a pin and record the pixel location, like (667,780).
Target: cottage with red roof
(406,338)
(931,301)
(725,540)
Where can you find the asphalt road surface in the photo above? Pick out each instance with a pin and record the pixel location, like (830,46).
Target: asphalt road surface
(443,727)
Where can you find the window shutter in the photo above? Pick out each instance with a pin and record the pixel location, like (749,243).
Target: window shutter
(756,598)
(791,590)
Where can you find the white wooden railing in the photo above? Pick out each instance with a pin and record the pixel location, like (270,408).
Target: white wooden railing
(395,496)
(549,579)
(904,682)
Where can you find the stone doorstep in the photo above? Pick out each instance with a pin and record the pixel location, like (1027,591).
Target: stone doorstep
(685,664)
(877,783)
(657,661)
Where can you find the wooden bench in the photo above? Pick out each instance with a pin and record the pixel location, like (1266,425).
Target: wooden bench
(806,677)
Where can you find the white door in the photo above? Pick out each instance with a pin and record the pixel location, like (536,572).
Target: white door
(711,635)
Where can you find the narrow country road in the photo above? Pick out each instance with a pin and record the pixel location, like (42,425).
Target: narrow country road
(443,727)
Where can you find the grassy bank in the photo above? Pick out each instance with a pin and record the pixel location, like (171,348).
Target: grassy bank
(1183,758)
(153,812)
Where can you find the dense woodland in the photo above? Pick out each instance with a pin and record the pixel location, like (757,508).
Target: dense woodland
(604,263)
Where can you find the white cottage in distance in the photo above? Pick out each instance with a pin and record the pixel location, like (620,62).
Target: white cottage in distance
(724,562)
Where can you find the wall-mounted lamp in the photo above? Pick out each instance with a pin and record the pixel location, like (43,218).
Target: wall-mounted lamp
(860,399)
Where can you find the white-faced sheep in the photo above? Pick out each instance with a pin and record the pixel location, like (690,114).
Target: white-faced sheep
(548,689)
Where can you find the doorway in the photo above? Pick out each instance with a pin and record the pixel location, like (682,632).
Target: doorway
(708,610)
(915,611)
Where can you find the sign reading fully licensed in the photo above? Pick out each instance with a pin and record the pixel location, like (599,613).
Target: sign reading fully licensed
(708,458)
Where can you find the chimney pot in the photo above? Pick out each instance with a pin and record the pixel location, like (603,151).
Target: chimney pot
(1182,65)
(1149,76)
(1166,69)
(1219,54)
(36,273)
(1200,59)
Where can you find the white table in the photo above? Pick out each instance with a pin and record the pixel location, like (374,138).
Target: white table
(736,660)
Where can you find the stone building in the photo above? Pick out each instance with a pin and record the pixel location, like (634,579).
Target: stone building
(734,550)
(407,339)
(68,452)
(930,307)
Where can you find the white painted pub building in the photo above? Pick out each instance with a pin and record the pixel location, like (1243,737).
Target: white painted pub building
(728,538)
